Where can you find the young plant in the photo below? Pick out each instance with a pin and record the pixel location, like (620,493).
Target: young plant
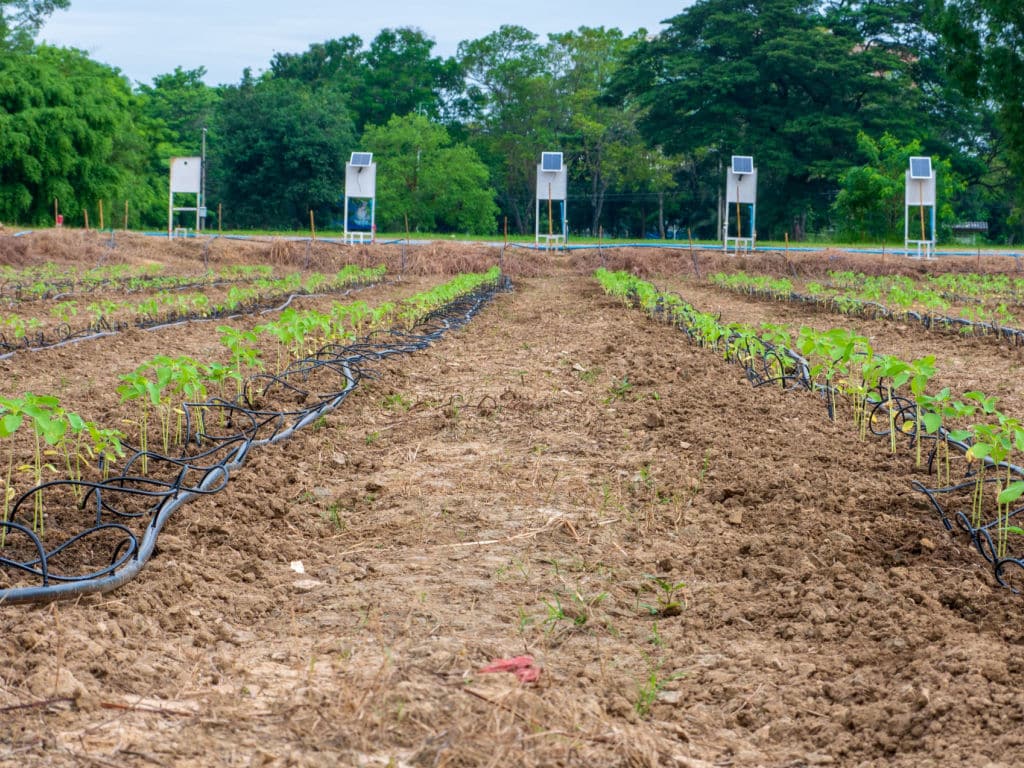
(44,414)
(244,352)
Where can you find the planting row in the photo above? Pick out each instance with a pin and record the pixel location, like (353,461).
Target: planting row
(48,281)
(94,528)
(975,320)
(964,441)
(18,332)
(954,287)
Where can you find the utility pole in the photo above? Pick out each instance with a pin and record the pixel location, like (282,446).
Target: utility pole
(202,185)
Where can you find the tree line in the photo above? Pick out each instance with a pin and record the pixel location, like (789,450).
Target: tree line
(830,96)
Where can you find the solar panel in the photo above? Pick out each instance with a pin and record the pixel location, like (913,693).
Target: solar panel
(551,161)
(742,164)
(361,159)
(920,167)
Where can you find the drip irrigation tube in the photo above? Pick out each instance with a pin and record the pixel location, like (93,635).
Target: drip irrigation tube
(768,364)
(756,249)
(120,518)
(65,335)
(873,310)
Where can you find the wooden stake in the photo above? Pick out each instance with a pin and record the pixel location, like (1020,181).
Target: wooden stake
(920,187)
(125,215)
(689,238)
(506,231)
(739,229)
(56,212)
(220,210)
(85,212)
(551,223)
(787,246)
(312,224)
(101,214)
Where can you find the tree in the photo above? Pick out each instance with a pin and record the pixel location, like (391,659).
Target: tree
(871,201)
(986,43)
(182,103)
(401,76)
(774,79)
(22,19)
(512,111)
(280,152)
(334,61)
(397,74)
(438,185)
(603,140)
(69,129)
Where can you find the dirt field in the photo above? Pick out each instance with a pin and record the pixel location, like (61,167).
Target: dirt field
(704,574)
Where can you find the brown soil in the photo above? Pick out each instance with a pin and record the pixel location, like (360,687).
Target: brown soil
(542,482)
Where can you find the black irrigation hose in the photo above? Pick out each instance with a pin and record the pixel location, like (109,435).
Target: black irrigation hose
(769,364)
(872,310)
(219,434)
(64,334)
(17,293)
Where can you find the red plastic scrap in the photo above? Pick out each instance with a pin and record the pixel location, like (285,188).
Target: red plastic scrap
(521,666)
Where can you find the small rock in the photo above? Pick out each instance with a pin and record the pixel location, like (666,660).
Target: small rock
(307,585)
(670,697)
(339,459)
(46,684)
(653,421)
(736,517)
(927,545)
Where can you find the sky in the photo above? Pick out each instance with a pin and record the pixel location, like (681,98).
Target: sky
(145,39)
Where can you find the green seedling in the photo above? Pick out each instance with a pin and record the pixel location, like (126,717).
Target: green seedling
(669,595)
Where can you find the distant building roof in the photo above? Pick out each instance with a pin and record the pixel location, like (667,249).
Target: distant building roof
(971,226)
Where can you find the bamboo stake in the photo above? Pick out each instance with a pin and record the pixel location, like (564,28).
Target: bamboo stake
(125,215)
(220,210)
(506,231)
(920,189)
(787,246)
(406,243)
(551,223)
(85,212)
(101,214)
(689,238)
(739,229)
(312,224)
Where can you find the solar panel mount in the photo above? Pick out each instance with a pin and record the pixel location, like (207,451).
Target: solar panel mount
(920,167)
(551,161)
(742,164)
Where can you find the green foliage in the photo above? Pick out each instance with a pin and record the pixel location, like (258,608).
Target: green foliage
(67,131)
(985,41)
(608,152)
(870,203)
(22,19)
(774,79)
(280,152)
(395,75)
(440,186)
(511,109)
(646,124)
